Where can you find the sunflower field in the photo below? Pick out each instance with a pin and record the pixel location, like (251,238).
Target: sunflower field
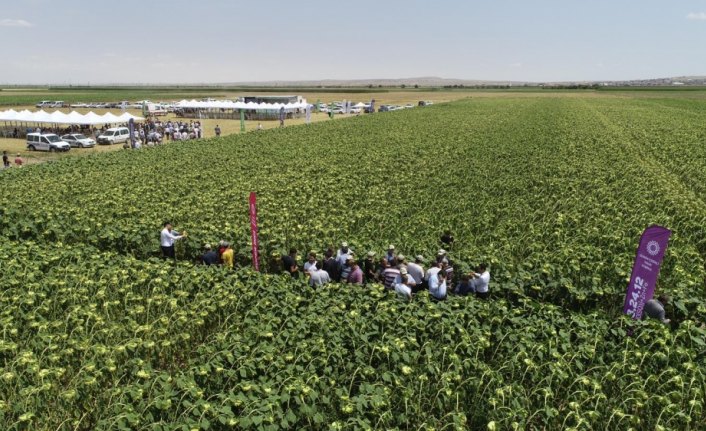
(551,190)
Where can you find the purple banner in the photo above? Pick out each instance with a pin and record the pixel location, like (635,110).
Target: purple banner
(645,270)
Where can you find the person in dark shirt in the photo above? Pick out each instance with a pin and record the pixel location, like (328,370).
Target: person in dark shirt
(289,263)
(5,160)
(330,265)
(209,257)
(447,239)
(369,268)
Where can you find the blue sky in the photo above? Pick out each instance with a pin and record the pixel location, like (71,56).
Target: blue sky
(179,41)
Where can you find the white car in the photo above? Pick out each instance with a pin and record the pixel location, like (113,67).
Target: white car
(78,140)
(44,104)
(79,105)
(354,110)
(115,135)
(46,142)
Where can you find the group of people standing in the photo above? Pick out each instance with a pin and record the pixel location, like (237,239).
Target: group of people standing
(394,271)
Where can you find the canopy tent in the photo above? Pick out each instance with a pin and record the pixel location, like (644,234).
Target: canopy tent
(360,105)
(58,117)
(229,104)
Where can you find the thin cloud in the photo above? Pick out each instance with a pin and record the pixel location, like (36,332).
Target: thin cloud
(697,16)
(7,22)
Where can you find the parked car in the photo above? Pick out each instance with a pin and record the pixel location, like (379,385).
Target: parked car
(409,105)
(114,135)
(46,142)
(58,104)
(384,108)
(44,104)
(354,110)
(154,109)
(78,140)
(79,105)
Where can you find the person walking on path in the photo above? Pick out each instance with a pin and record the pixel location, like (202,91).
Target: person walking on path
(5,160)
(218,130)
(167,239)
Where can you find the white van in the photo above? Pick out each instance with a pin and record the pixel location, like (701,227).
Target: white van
(115,135)
(46,142)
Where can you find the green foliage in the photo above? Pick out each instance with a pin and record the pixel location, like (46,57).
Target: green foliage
(552,192)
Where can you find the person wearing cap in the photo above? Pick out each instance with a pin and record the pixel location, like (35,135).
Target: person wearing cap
(311,261)
(401,261)
(437,285)
(390,274)
(347,267)
(289,263)
(416,270)
(410,280)
(210,256)
(330,265)
(390,253)
(167,238)
(342,251)
(441,255)
(356,274)
(228,255)
(369,270)
(481,279)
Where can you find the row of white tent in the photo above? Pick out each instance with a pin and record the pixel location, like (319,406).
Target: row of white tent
(229,104)
(58,117)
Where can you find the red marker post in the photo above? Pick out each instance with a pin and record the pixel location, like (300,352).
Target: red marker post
(253,232)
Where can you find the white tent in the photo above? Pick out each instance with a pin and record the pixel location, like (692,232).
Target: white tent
(227,104)
(58,117)
(360,105)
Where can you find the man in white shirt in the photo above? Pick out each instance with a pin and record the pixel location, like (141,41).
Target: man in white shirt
(311,262)
(318,277)
(167,238)
(480,281)
(432,271)
(402,286)
(404,274)
(437,285)
(416,270)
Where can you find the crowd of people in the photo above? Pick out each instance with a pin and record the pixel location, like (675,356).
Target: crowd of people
(393,270)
